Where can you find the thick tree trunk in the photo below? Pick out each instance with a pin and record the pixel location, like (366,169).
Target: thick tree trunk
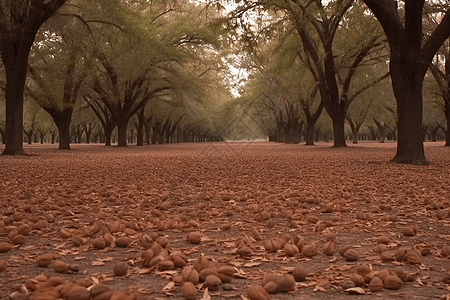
(64,134)
(62,121)
(355,130)
(339,130)
(407,83)
(287,135)
(108,127)
(122,132)
(15,82)
(18,34)
(309,135)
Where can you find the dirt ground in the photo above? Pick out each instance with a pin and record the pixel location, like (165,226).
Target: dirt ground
(230,195)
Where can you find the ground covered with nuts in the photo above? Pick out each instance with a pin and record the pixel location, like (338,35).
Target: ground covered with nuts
(224,221)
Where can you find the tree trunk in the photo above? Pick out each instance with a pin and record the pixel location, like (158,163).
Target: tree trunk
(161,137)
(287,134)
(29,136)
(2,134)
(168,136)
(154,135)
(339,130)
(62,121)
(296,133)
(410,57)
(147,136)
(108,128)
(122,132)
(309,136)
(355,130)
(447,132)
(88,136)
(317,134)
(407,84)
(18,34)
(140,128)
(108,136)
(64,135)
(280,134)
(15,84)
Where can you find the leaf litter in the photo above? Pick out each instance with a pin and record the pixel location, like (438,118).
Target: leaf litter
(139,205)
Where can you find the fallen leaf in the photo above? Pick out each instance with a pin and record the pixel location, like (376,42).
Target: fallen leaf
(355,290)
(168,287)
(206,295)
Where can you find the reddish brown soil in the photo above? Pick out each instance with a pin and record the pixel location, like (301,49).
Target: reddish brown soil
(251,186)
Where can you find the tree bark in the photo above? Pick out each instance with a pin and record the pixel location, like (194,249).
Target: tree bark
(309,135)
(140,127)
(122,132)
(339,131)
(62,121)
(108,135)
(297,132)
(2,134)
(15,85)
(29,135)
(446,130)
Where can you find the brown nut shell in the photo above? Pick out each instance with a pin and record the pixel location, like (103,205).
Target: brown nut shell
(392,282)
(329,248)
(286,283)
(271,287)
(190,274)
(212,282)
(5,247)
(189,291)
(300,273)
(205,272)
(290,249)
(272,245)
(357,279)
(44,260)
(351,255)
(376,284)
(309,250)
(244,251)
(78,293)
(120,268)
(257,292)
(60,266)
